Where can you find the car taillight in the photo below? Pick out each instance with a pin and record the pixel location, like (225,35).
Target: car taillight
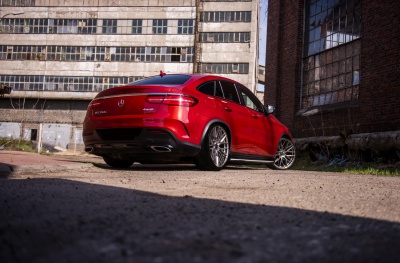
(172,100)
(179,100)
(94,104)
(155,99)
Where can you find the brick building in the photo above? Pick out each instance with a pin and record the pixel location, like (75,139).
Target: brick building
(333,66)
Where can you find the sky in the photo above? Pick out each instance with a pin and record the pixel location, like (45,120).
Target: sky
(263,37)
(263,31)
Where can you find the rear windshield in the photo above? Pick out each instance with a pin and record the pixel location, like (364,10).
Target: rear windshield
(165,80)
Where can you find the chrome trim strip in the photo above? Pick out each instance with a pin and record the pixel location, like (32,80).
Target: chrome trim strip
(249,160)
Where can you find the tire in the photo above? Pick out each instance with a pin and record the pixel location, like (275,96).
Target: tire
(117,162)
(215,149)
(285,155)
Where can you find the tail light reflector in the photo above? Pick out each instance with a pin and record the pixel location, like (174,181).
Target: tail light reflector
(94,104)
(155,99)
(172,100)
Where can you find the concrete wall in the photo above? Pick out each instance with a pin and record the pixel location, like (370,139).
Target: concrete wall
(10,130)
(54,136)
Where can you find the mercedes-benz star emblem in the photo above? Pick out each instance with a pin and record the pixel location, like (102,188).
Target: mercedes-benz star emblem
(121,102)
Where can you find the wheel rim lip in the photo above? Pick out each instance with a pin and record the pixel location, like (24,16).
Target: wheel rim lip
(285,155)
(219,145)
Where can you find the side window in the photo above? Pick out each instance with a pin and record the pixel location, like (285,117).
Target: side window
(230,92)
(207,88)
(249,99)
(218,91)
(210,88)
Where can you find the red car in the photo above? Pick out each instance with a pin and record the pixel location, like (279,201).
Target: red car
(205,119)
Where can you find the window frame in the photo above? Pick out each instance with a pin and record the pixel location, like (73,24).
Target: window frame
(259,107)
(160,26)
(185,26)
(137,26)
(110,26)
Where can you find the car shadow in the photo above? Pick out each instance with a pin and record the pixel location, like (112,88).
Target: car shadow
(171,167)
(56,220)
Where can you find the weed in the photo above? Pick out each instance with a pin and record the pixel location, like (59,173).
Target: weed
(303,162)
(17,145)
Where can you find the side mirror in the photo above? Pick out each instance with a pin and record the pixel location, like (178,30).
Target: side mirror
(270,109)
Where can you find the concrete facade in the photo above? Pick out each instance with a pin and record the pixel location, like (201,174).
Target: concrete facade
(57,54)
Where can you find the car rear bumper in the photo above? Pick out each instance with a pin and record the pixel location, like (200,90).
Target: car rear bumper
(138,144)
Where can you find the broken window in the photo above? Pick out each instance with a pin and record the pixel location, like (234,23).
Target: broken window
(332,76)
(331,66)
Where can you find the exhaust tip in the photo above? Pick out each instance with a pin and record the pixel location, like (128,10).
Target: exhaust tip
(161,148)
(88,149)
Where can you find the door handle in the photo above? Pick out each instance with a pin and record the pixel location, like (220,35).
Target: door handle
(255,116)
(228,109)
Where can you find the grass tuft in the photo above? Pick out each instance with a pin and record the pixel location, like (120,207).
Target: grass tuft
(303,162)
(17,145)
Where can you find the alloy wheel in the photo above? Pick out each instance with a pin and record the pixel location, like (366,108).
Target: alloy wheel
(285,154)
(218,146)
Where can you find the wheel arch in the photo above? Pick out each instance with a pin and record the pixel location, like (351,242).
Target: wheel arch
(216,121)
(283,135)
(282,159)
(286,135)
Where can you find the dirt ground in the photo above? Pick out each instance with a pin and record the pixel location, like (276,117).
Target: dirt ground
(179,214)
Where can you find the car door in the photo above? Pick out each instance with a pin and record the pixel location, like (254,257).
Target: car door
(262,139)
(237,117)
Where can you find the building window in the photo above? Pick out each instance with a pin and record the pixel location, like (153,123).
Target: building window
(72,26)
(160,26)
(65,84)
(231,16)
(89,26)
(109,26)
(9,25)
(332,76)
(66,26)
(69,53)
(51,26)
(331,66)
(329,24)
(225,37)
(224,68)
(87,53)
(137,26)
(17,3)
(121,54)
(185,26)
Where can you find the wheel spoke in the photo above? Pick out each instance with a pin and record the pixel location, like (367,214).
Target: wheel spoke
(219,146)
